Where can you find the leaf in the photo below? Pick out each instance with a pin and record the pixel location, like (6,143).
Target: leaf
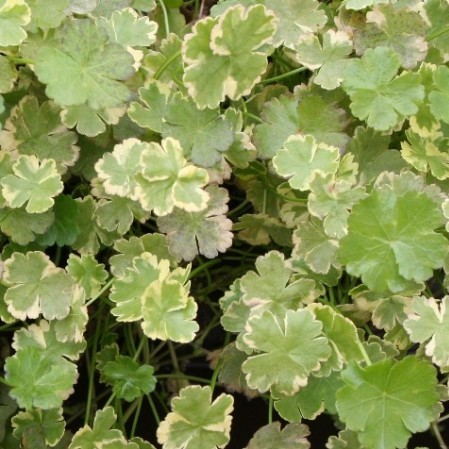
(214,54)
(207,232)
(427,322)
(155,244)
(127,291)
(302,159)
(37,382)
(36,287)
(331,200)
(168,312)
(362,4)
(384,249)
(89,121)
(34,129)
(167,180)
(203,134)
(426,154)
(436,11)
(295,343)
(44,18)
(129,380)
(64,229)
(318,250)
(22,227)
(296,19)
(270,436)
(118,169)
(125,27)
(8,75)
(439,96)
(34,182)
(84,67)
(399,399)
(318,395)
(14,15)
(46,424)
(377,94)
(101,433)
(196,422)
(330,57)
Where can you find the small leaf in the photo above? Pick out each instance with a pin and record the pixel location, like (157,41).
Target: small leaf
(129,380)
(292,436)
(14,15)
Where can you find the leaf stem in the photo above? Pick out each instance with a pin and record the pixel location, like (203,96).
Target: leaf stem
(270,410)
(165,14)
(437,33)
(105,287)
(153,409)
(183,376)
(283,76)
(164,66)
(364,353)
(439,438)
(136,418)
(214,378)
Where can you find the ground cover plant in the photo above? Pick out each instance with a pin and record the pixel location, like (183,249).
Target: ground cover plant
(201,201)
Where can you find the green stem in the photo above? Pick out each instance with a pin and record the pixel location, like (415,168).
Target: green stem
(174,360)
(270,410)
(143,340)
(214,378)
(165,14)
(183,376)
(437,33)
(253,116)
(136,418)
(3,380)
(105,287)
(283,76)
(203,266)
(18,60)
(439,438)
(164,66)
(153,409)
(364,353)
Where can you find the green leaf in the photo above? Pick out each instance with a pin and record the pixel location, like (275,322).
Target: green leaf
(36,287)
(362,4)
(46,18)
(125,27)
(436,11)
(329,58)
(127,291)
(399,398)
(129,380)
(295,343)
(384,249)
(426,154)
(34,182)
(439,97)
(204,135)
(101,435)
(84,67)
(377,94)
(331,200)
(428,322)
(37,381)
(312,244)
(46,424)
(215,55)
(207,232)
(64,229)
(400,29)
(169,312)
(134,247)
(22,227)
(8,75)
(302,159)
(196,422)
(270,436)
(296,18)
(167,180)
(14,15)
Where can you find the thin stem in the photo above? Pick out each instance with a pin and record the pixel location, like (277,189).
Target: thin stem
(153,409)
(214,378)
(270,410)
(164,66)
(165,14)
(437,33)
(439,438)
(203,266)
(253,116)
(136,417)
(364,353)
(182,376)
(283,76)
(443,418)
(105,287)
(139,348)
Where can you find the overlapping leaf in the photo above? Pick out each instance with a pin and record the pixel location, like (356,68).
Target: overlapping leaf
(14,16)
(215,55)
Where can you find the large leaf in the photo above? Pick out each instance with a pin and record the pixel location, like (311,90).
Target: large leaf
(399,398)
